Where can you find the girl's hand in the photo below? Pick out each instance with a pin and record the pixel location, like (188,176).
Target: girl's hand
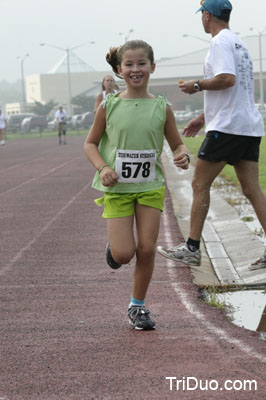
(182,160)
(108,176)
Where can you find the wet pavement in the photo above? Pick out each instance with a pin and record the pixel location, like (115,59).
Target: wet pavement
(229,246)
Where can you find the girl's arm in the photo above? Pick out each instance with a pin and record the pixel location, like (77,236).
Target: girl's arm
(108,176)
(181,157)
(98,101)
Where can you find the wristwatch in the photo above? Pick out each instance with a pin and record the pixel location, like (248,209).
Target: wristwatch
(197,86)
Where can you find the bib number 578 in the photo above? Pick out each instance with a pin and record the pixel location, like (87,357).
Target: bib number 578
(135,169)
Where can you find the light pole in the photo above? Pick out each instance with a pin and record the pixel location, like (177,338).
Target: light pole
(260,34)
(22,59)
(67,50)
(127,35)
(195,37)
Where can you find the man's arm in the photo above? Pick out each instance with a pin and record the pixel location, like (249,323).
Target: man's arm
(194,126)
(219,82)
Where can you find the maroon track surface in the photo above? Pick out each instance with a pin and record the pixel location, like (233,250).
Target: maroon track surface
(64,329)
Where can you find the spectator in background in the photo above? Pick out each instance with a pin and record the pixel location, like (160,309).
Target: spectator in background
(108,86)
(61,120)
(2,128)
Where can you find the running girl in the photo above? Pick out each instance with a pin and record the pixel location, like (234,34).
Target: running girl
(131,127)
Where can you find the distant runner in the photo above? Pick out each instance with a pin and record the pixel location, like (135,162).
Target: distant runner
(61,120)
(2,128)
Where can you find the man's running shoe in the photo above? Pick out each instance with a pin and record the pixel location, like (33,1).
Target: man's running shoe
(260,263)
(182,254)
(139,317)
(109,258)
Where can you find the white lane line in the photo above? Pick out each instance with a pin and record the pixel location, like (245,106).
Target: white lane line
(44,229)
(38,177)
(193,309)
(19,165)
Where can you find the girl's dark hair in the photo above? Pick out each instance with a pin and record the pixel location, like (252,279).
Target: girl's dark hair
(114,57)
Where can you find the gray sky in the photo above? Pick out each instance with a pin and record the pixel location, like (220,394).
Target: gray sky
(68,23)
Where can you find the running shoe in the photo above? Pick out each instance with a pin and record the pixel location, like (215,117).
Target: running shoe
(139,317)
(182,254)
(109,258)
(2,142)
(260,263)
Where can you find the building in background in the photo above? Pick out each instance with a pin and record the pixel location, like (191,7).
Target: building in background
(85,80)
(54,84)
(15,108)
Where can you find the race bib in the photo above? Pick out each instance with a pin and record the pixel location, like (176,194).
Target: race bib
(135,166)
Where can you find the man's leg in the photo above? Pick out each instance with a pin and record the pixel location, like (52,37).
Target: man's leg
(248,175)
(2,136)
(59,132)
(204,174)
(64,132)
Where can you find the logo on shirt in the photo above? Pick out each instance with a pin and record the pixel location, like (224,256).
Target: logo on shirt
(238,46)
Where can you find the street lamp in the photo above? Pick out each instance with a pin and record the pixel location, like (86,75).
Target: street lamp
(67,50)
(196,37)
(260,34)
(22,59)
(127,35)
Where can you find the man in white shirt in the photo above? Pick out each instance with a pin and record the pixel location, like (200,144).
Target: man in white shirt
(2,128)
(233,126)
(61,120)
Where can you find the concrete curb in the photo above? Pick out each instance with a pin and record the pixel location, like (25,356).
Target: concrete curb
(229,246)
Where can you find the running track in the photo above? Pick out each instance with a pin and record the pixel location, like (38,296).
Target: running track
(64,330)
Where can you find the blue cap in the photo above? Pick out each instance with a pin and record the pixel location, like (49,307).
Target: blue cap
(215,7)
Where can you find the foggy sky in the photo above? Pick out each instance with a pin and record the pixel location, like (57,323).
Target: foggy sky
(27,23)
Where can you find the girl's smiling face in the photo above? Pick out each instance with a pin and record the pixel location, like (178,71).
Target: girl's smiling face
(136,67)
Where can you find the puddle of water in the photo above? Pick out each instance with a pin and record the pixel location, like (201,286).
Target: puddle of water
(245,210)
(246,308)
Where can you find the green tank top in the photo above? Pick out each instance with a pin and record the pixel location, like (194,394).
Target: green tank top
(132,143)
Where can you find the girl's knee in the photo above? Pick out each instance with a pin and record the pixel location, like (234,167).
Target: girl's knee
(123,256)
(146,250)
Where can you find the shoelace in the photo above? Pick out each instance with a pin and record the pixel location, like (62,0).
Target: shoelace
(133,312)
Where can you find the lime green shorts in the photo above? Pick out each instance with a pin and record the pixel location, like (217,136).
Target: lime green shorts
(118,205)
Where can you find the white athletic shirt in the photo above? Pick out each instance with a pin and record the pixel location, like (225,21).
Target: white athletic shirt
(2,121)
(231,110)
(60,116)
(104,93)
